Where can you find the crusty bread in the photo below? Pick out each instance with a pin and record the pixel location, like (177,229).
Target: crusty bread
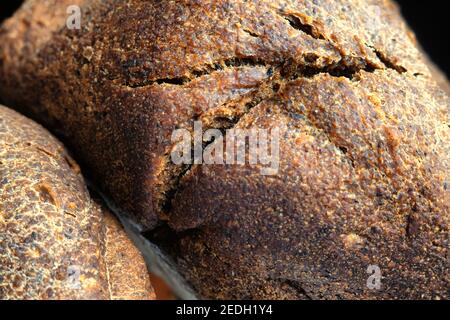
(55,241)
(438,75)
(364,156)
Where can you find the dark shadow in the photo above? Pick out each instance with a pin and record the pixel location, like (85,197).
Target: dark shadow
(429,20)
(7,8)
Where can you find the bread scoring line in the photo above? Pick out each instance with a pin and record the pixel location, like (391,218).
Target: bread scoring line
(297,21)
(308,65)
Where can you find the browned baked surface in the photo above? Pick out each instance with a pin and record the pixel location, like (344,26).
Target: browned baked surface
(364,172)
(55,241)
(348,195)
(438,75)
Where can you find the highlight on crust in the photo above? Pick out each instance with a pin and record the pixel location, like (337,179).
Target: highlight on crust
(260,149)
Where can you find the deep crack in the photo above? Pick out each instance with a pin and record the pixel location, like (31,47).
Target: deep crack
(235,62)
(220,123)
(388,63)
(279,74)
(299,25)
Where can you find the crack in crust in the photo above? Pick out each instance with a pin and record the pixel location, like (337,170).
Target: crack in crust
(234,63)
(290,39)
(174,62)
(279,76)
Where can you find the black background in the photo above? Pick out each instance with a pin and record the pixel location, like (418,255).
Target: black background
(167,309)
(430,22)
(429,19)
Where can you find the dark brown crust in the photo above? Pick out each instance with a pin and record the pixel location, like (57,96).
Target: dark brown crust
(346,197)
(98,72)
(344,78)
(50,228)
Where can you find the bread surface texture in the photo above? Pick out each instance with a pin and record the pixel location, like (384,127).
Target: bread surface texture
(364,159)
(56,242)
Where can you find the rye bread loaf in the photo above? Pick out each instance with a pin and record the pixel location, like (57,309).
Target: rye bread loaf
(56,242)
(363,176)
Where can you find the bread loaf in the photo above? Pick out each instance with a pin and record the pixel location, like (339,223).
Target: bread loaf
(363,177)
(56,242)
